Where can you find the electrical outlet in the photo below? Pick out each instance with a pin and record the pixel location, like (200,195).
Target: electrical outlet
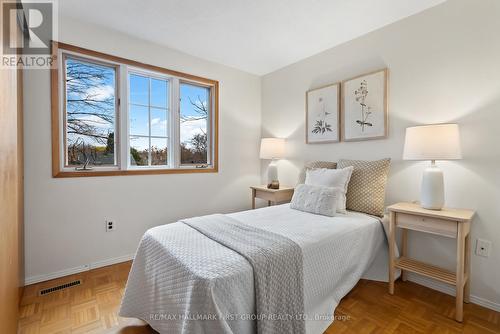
(110,226)
(483,247)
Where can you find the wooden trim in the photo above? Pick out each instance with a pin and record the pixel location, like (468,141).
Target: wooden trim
(57,172)
(11,191)
(386,106)
(153,68)
(91,173)
(338,114)
(20,178)
(54,96)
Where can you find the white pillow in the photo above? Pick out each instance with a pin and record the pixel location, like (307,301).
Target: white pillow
(315,199)
(334,178)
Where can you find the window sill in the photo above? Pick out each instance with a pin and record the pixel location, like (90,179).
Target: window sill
(92,173)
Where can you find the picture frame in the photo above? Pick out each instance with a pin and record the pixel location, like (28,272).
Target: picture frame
(323,114)
(364,106)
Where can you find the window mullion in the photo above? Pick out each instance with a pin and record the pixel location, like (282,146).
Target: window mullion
(123,131)
(174,126)
(210,127)
(150,156)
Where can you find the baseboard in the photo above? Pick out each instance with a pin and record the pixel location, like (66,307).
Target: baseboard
(57,274)
(109,262)
(76,270)
(449,290)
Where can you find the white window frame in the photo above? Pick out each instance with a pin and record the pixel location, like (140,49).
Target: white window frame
(210,125)
(62,108)
(149,74)
(122,120)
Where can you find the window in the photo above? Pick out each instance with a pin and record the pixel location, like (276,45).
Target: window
(113,116)
(194,111)
(90,117)
(148,114)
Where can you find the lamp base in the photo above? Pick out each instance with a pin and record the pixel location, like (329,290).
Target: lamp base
(272,175)
(432,191)
(273,185)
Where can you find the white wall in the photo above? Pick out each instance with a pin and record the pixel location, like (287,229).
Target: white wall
(64,220)
(444,67)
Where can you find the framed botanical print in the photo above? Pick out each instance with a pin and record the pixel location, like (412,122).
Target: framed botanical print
(323,114)
(364,106)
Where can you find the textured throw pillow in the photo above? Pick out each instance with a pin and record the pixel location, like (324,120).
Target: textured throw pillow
(334,178)
(315,199)
(312,165)
(366,191)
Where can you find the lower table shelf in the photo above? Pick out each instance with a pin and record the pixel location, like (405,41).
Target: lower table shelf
(427,270)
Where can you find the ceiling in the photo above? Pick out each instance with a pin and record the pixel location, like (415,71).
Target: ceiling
(257,36)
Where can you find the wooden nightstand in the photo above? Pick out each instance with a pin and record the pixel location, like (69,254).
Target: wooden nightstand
(451,223)
(273,196)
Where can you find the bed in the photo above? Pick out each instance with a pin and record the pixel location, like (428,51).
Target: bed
(180,276)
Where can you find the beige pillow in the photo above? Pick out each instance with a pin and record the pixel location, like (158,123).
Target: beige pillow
(314,164)
(366,190)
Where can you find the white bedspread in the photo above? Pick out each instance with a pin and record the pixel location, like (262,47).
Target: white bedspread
(179,274)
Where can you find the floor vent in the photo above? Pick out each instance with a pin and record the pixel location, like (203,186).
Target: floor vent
(60,287)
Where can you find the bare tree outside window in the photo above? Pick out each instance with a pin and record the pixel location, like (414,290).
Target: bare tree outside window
(194,122)
(90,113)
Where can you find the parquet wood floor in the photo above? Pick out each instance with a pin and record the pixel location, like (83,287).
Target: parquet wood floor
(92,308)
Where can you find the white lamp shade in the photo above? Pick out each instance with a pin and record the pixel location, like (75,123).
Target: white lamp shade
(432,142)
(272,148)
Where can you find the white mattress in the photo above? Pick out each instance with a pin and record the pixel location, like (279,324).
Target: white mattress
(177,270)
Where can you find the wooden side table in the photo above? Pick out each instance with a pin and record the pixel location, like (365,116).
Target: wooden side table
(273,196)
(451,223)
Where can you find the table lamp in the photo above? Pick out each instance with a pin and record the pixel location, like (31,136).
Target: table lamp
(432,142)
(274,149)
